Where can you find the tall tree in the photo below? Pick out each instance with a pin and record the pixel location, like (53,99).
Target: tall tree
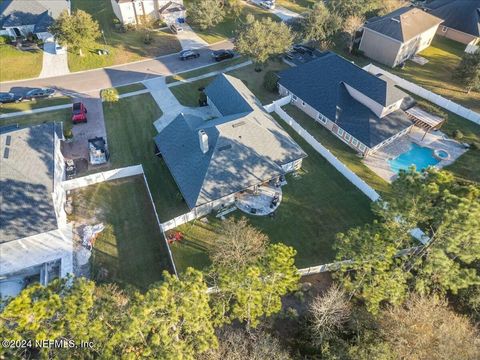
(261,39)
(350,26)
(468,71)
(77,30)
(320,25)
(205,13)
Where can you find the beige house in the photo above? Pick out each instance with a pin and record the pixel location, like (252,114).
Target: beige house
(461,19)
(133,11)
(396,37)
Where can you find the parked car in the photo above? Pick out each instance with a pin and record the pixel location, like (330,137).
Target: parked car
(39,93)
(8,97)
(79,113)
(268,5)
(59,49)
(189,54)
(176,28)
(219,55)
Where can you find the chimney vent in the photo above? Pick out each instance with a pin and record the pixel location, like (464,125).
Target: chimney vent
(203,138)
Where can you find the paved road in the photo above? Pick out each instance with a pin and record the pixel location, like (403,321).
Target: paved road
(90,82)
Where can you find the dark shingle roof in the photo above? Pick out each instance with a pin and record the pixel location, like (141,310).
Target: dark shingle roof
(229,95)
(26,182)
(321,84)
(462,15)
(403,24)
(244,149)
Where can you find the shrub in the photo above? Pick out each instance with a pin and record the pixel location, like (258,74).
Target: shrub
(432,109)
(68,133)
(475,146)
(4,39)
(270,81)
(457,134)
(110,95)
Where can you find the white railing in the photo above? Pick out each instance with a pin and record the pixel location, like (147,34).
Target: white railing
(102,176)
(428,95)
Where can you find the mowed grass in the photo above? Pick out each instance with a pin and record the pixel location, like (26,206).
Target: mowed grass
(188,93)
(338,148)
(298,6)
(34,104)
(228,27)
(131,250)
(130,133)
(315,207)
(62,115)
(122,47)
(17,64)
(130,88)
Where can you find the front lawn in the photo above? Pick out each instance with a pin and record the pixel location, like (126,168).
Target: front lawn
(131,250)
(316,206)
(62,115)
(298,6)
(122,47)
(17,64)
(227,28)
(34,104)
(188,93)
(125,89)
(130,132)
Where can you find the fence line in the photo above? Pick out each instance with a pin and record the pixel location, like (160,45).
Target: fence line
(102,176)
(428,95)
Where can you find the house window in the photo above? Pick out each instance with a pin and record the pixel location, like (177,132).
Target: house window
(322,118)
(444,29)
(340,132)
(362,147)
(294,97)
(354,142)
(347,137)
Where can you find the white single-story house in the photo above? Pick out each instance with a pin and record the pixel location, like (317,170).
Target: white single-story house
(133,11)
(363,110)
(35,239)
(399,35)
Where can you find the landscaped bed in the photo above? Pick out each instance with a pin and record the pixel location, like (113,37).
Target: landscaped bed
(131,250)
(316,206)
(18,64)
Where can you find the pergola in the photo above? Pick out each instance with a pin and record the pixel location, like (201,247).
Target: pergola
(424,120)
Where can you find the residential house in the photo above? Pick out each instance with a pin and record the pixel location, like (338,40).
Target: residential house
(212,161)
(35,239)
(360,108)
(461,19)
(133,11)
(399,35)
(22,17)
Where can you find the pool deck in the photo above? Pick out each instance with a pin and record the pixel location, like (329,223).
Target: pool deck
(436,140)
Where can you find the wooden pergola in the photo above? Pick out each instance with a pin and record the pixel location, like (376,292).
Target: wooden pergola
(424,120)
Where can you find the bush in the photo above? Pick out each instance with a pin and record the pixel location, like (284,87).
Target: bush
(432,109)
(68,133)
(270,81)
(457,134)
(475,146)
(4,39)
(110,95)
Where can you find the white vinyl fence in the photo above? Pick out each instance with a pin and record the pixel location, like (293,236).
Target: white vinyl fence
(179,220)
(102,176)
(428,95)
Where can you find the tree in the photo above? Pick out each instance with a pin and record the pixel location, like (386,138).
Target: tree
(329,313)
(350,27)
(77,30)
(238,244)
(468,71)
(425,328)
(205,13)
(270,81)
(320,25)
(387,6)
(261,39)
(233,7)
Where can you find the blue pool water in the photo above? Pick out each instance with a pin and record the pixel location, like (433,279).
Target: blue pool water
(421,157)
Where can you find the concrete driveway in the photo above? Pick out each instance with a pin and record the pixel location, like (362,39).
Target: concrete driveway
(279,11)
(53,64)
(189,39)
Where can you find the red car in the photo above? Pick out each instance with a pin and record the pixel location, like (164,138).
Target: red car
(79,113)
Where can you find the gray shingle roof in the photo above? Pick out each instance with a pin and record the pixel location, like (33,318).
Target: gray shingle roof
(321,84)
(462,15)
(26,182)
(245,149)
(229,95)
(403,24)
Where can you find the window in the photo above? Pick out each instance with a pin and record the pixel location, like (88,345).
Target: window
(340,131)
(294,97)
(362,147)
(348,137)
(444,29)
(354,142)
(322,118)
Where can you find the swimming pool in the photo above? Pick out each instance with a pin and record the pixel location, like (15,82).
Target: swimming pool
(421,157)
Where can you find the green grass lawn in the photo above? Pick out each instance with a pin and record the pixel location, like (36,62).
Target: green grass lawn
(338,148)
(17,64)
(315,207)
(122,47)
(34,104)
(62,115)
(298,6)
(131,249)
(130,88)
(227,28)
(130,132)
(187,94)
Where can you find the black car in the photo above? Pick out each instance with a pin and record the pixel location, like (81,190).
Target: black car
(6,97)
(219,55)
(39,93)
(189,54)
(302,49)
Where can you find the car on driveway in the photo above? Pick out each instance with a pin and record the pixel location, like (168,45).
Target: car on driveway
(59,49)
(8,97)
(219,55)
(189,54)
(175,28)
(39,93)
(270,5)
(79,113)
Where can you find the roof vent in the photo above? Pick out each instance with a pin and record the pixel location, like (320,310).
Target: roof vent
(203,139)
(238,124)
(8,141)
(396,20)
(224,147)
(6,152)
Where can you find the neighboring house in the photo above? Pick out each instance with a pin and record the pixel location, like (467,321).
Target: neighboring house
(399,35)
(212,161)
(35,240)
(133,11)
(363,110)
(22,17)
(461,19)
